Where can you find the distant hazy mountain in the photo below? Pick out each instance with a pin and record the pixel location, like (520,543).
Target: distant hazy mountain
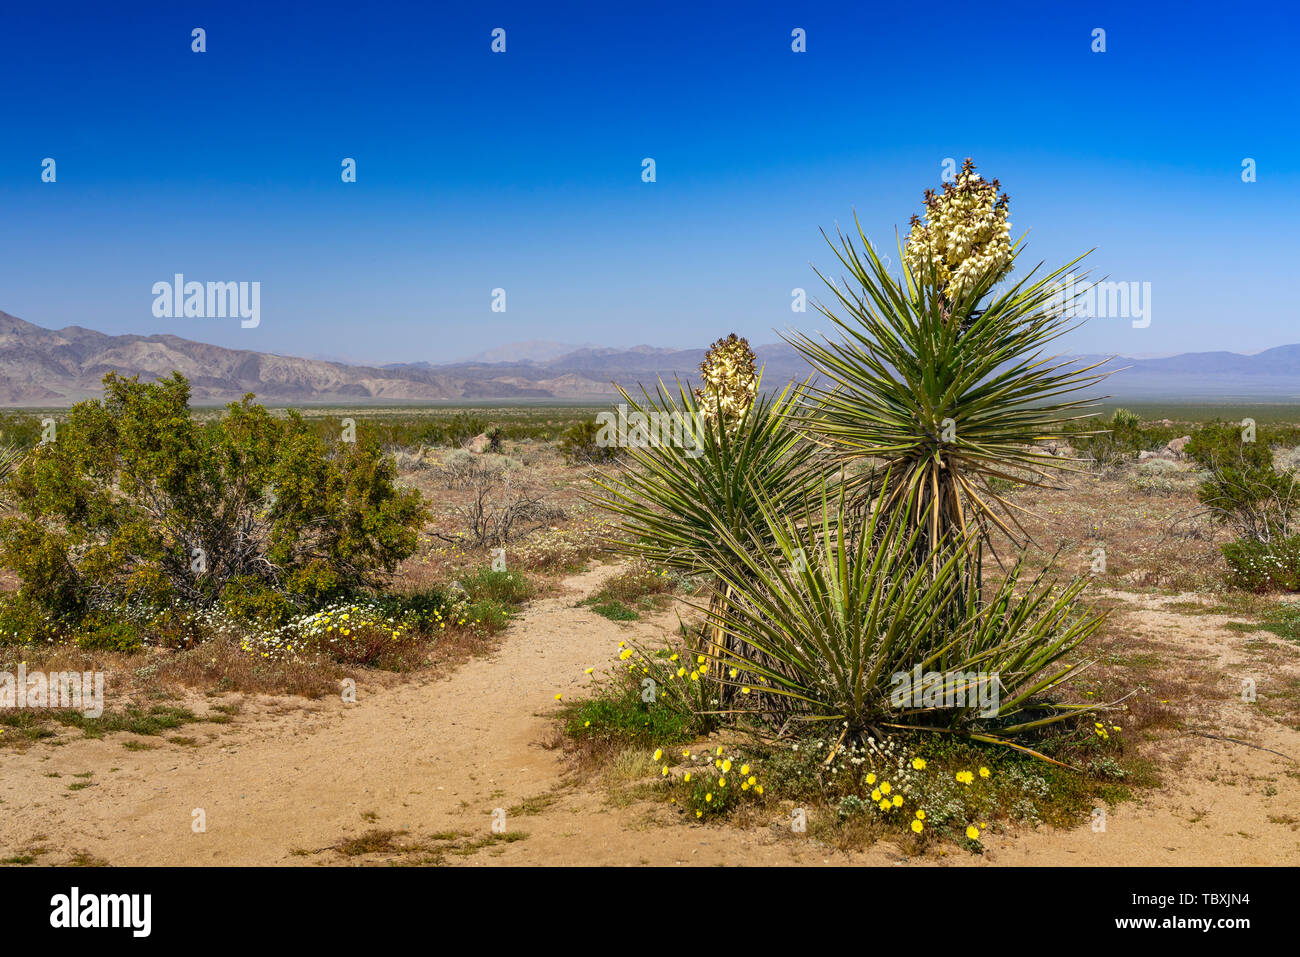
(1272,375)
(48,367)
(535,350)
(57,367)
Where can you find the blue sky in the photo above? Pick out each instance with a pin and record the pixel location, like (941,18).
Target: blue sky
(522,170)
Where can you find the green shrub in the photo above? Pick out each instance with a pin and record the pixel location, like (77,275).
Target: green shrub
(639,587)
(638,583)
(1264,566)
(1120,441)
(509,588)
(579,446)
(426,607)
(1125,419)
(20,429)
(1243,490)
(23,622)
(620,716)
(484,602)
(490,616)
(139,502)
(1220,445)
(615,611)
(825,624)
(246,599)
(101,633)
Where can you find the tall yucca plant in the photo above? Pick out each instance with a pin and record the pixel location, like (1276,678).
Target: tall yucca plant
(946,390)
(825,620)
(677,504)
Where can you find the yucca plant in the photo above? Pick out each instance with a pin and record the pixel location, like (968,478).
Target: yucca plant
(825,622)
(671,501)
(675,504)
(939,377)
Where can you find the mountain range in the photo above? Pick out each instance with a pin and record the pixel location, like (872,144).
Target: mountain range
(48,367)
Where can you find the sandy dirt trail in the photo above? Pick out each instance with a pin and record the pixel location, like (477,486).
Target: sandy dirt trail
(432,756)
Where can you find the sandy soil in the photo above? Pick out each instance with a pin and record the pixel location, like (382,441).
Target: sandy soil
(288,780)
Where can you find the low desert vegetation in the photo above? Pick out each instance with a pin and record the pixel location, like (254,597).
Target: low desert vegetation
(1245,491)
(243,551)
(640,588)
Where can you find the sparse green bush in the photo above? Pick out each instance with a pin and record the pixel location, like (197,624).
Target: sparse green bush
(579,445)
(488,616)
(1119,441)
(102,633)
(509,588)
(1244,491)
(1220,445)
(615,611)
(620,716)
(1242,488)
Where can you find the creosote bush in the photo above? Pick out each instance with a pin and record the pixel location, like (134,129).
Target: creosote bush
(138,506)
(580,446)
(1245,492)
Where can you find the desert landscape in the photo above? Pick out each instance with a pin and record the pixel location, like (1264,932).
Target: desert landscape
(440,443)
(910,591)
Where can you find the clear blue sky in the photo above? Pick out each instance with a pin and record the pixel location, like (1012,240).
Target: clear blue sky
(523,170)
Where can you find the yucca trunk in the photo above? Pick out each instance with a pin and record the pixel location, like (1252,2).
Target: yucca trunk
(713,638)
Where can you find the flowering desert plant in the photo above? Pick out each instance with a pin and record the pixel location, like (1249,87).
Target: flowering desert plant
(709,783)
(672,504)
(939,376)
(825,588)
(671,500)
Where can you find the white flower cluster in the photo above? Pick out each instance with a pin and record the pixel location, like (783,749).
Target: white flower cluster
(730,380)
(965,235)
